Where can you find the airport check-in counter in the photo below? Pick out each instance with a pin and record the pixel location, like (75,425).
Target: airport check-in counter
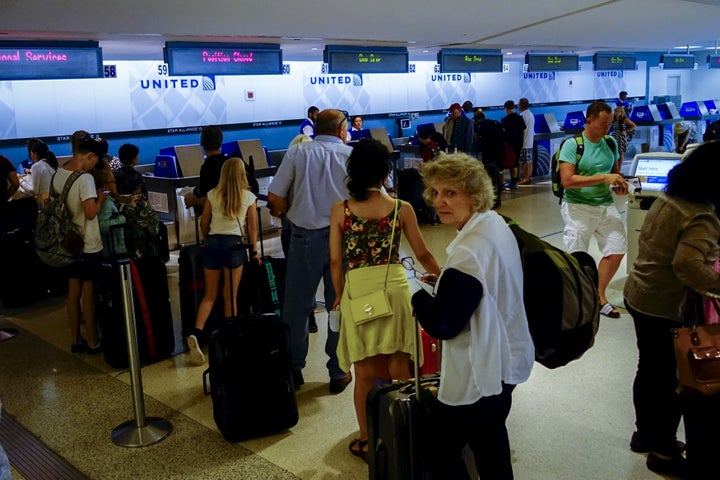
(651,169)
(700,113)
(176,173)
(655,116)
(545,141)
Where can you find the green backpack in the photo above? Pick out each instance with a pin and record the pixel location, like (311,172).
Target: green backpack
(557,188)
(57,240)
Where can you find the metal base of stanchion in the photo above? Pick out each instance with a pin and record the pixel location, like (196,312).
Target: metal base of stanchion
(128,434)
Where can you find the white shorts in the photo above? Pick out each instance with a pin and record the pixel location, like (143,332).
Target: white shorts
(583,221)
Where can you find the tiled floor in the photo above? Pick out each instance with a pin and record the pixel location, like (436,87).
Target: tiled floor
(571,423)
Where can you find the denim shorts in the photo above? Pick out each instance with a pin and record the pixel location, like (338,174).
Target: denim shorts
(85,269)
(217,253)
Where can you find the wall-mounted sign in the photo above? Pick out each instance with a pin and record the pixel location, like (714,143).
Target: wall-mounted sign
(557,62)
(461,60)
(675,61)
(192,58)
(614,61)
(713,61)
(49,60)
(350,59)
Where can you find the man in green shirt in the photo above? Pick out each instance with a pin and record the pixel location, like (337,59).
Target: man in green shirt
(587,208)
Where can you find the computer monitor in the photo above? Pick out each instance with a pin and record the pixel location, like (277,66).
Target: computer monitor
(383,137)
(652,169)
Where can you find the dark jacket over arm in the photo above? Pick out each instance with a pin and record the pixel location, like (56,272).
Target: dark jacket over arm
(446,314)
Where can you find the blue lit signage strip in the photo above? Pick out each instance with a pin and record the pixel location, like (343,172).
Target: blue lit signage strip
(49,60)
(192,58)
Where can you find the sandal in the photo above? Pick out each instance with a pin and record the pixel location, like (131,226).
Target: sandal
(609,311)
(360,451)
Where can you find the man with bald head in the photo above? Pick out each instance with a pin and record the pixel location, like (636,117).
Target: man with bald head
(309,180)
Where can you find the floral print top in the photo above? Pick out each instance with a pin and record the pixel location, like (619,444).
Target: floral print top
(367,241)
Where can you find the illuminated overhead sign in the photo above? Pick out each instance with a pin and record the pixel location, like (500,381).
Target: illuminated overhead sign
(192,58)
(350,59)
(460,60)
(49,60)
(614,61)
(557,62)
(672,62)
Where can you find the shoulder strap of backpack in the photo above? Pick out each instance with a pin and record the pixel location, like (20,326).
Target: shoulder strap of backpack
(68,184)
(610,142)
(579,149)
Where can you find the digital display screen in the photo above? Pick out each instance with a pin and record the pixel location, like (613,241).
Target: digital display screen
(672,62)
(543,62)
(190,58)
(50,60)
(348,59)
(456,60)
(653,172)
(713,61)
(614,61)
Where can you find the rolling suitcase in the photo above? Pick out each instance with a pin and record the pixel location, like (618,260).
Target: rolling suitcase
(249,375)
(269,278)
(397,421)
(153,316)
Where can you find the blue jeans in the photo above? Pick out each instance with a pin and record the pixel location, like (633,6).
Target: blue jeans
(308,261)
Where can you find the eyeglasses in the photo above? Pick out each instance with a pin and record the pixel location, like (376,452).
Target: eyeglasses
(409,264)
(339,126)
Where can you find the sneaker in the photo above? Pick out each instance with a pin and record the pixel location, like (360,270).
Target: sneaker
(94,350)
(675,465)
(197,357)
(338,385)
(79,347)
(312,324)
(297,378)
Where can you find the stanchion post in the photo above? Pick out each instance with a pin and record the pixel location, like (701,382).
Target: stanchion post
(142,430)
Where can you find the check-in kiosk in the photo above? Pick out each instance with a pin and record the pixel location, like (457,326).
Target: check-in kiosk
(574,122)
(547,130)
(176,173)
(652,170)
(699,113)
(655,117)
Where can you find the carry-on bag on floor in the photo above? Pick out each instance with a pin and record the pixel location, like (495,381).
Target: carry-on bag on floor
(191,285)
(397,423)
(249,375)
(267,279)
(24,277)
(153,315)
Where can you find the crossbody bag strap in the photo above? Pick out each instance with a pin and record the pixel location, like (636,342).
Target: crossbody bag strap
(392,238)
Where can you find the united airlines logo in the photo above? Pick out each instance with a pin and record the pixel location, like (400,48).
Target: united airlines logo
(451,77)
(354,80)
(611,73)
(208,82)
(539,75)
(169,83)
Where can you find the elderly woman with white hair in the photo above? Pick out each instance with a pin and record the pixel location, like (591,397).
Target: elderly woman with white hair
(477,310)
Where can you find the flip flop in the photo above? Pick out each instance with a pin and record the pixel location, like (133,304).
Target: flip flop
(609,311)
(360,450)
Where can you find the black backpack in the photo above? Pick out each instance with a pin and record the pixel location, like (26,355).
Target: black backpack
(561,299)
(557,188)
(712,132)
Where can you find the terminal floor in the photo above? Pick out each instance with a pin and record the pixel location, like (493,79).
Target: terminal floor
(572,423)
